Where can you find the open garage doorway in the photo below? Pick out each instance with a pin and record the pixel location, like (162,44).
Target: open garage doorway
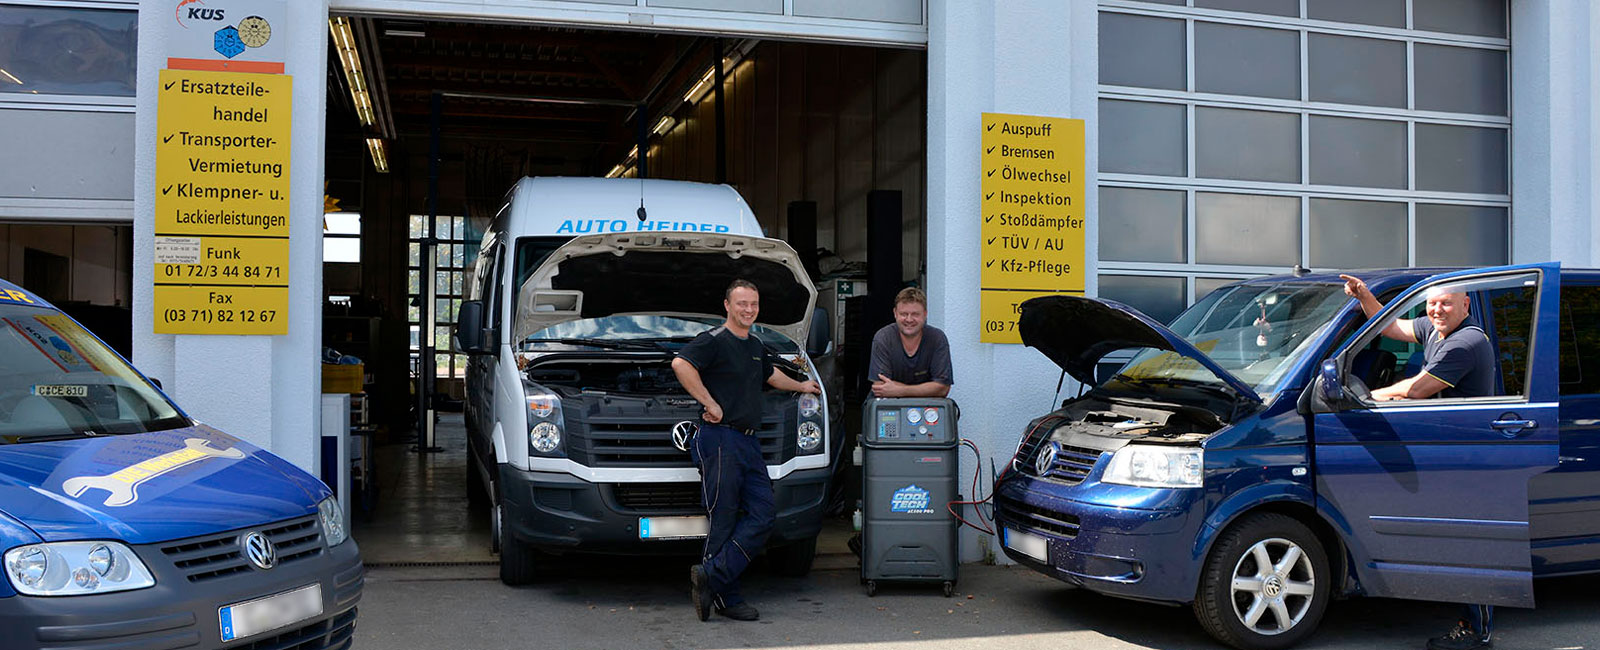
(430,122)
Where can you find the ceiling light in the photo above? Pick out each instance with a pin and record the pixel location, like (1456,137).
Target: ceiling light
(664,125)
(701,87)
(10,77)
(354,76)
(380,158)
(616,172)
(405,33)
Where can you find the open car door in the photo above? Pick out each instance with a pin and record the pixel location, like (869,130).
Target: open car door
(1432,494)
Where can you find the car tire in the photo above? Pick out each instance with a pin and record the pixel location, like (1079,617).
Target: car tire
(519,562)
(793,560)
(1265,585)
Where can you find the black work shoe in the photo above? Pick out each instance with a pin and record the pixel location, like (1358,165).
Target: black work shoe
(1460,638)
(740,612)
(700,593)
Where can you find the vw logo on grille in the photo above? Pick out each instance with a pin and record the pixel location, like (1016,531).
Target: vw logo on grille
(1046,459)
(260,551)
(682,432)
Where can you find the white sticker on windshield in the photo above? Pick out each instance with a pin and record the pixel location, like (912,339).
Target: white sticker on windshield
(60,390)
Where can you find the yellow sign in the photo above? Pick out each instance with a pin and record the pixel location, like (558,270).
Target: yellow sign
(222,310)
(1033,228)
(222,203)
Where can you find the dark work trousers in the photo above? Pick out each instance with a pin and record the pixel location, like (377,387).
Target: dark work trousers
(1480,618)
(737,494)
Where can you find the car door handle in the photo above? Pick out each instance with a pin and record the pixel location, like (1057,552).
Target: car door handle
(1509,426)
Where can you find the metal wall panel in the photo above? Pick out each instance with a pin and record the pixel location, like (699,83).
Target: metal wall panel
(66,154)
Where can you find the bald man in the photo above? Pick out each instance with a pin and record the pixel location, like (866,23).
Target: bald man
(1457,357)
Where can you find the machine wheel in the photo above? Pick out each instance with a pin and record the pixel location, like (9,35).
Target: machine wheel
(1265,584)
(949,589)
(793,560)
(518,561)
(872,588)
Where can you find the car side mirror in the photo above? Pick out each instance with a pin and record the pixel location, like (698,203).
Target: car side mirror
(820,342)
(469,327)
(1329,385)
(156,382)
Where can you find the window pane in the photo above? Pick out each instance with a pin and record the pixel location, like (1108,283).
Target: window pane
(458,256)
(1461,79)
(415,253)
(1247,229)
(413,282)
(413,313)
(1274,7)
(1357,234)
(1158,298)
(1387,13)
(1460,235)
(441,337)
(1139,225)
(1461,159)
(341,249)
(1203,286)
(1350,70)
(458,228)
(441,282)
(416,337)
(441,362)
(1580,355)
(341,223)
(1364,153)
(68,51)
(1142,138)
(1247,145)
(1240,60)
(441,311)
(1477,17)
(1142,51)
(419,225)
(455,283)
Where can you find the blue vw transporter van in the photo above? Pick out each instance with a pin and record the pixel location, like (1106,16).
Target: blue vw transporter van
(125,524)
(1238,464)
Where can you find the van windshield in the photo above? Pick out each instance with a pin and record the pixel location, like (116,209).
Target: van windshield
(640,329)
(57,381)
(1253,331)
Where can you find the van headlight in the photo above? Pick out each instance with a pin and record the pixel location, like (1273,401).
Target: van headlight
(332,516)
(810,405)
(75,569)
(809,437)
(544,419)
(1157,466)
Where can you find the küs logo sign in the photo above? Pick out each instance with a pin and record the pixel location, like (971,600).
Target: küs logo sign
(196,10)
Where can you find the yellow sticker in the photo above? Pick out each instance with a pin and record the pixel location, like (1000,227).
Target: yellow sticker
(1033,211)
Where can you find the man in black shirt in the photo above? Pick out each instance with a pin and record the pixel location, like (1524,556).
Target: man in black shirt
(1457,361)
(910,358)
(724,369)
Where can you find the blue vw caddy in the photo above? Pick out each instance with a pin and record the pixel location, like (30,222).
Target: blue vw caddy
(1238,464)
(125,524)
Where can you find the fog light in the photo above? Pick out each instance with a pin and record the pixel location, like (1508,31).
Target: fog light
(545,437)
(810,437)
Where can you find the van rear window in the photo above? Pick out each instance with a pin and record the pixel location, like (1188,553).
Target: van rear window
(1580,346)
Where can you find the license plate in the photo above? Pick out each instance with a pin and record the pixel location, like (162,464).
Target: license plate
(265,614)
(673,527)
(1028,544)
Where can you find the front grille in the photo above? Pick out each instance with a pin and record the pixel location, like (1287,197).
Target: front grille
(606,431)
(658,496)
(1072,464)
(210,557)
(1016,512)
(330,634)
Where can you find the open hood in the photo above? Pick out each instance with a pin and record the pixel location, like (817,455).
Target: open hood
(665,274)
(1076,332)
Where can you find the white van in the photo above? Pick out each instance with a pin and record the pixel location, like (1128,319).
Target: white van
(579,301)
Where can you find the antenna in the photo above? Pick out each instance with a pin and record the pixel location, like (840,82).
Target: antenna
(641,211)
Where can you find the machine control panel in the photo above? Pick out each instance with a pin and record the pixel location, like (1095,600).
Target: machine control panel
(910,421)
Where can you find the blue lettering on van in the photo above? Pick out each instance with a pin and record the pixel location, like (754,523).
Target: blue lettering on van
(587,226)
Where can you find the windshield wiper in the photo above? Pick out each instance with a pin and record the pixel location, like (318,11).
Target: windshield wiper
(608,344)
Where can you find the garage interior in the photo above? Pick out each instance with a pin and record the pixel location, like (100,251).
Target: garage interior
(826,142)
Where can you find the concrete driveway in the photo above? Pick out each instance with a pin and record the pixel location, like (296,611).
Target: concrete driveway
(644,603)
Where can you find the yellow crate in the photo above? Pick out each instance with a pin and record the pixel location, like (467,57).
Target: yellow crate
(338,378)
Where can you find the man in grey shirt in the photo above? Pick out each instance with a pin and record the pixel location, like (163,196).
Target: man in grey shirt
(909,357)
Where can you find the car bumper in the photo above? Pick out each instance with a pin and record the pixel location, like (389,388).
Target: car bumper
(1144,554)
(560,512)
(177,613)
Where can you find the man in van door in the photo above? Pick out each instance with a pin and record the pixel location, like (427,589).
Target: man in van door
(724,369)
(910,358)
(1457,361)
